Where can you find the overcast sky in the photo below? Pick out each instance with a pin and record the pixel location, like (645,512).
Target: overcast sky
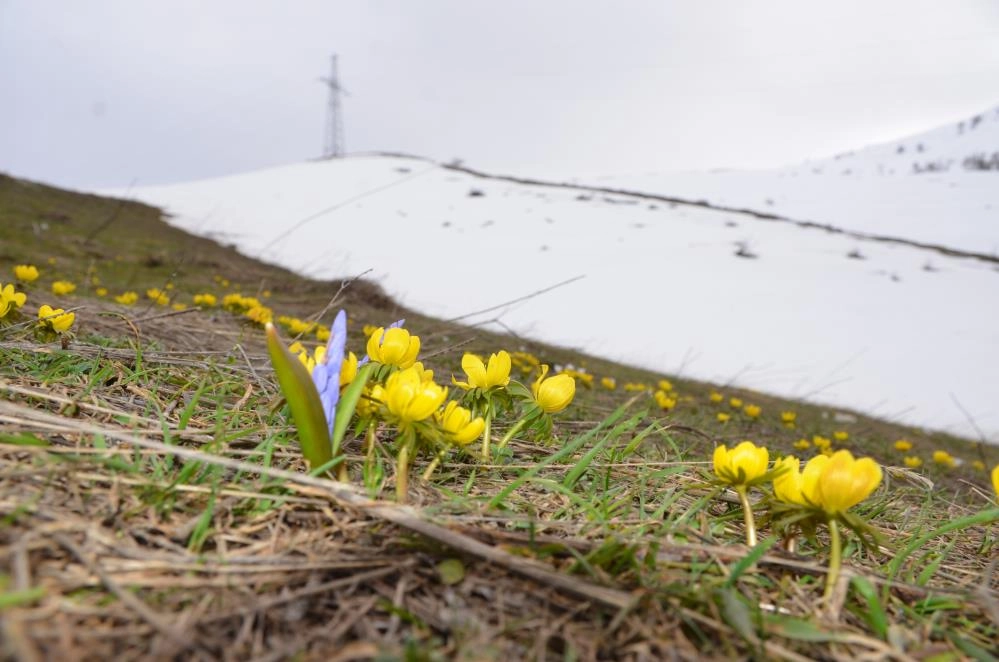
(103,93)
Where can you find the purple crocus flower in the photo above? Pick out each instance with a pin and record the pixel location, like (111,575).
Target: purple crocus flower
(326,374)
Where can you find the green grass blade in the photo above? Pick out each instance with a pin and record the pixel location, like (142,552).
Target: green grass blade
(584,462)
(566,451)
(978,519)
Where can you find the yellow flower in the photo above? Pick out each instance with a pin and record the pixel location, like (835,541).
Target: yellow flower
(348,370)
(127,298)
(912,461)
(394,346)
(10,298)
(995,479)
(369,329)
(63,287)
(553,395)
(259,314)
(55,318)
(716,397)
(296,326)
(822,443)
(101,291)
(752,411)
(159,296)
(944,459)
(584,377)
(237,303)
(480,376)
(458,424)
(322,333)
(26,273)
(788,417)
(205,299)
(410,396)
(841,435)
(665,385)
(903,445)
(608,383)
(178,306)
(723,417)
(741,465)
(802,444)
(789,481)
(837,483)
(664,400)
(978,465)
(735,403)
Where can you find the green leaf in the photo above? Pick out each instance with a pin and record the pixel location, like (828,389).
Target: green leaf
(18,598)
(736,613)
(874,613)
(800,630)
(971,649)
(303,400)
(347,404)
(747,561)
(22,439)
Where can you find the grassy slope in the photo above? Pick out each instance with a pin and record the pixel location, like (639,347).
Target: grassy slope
(113,549)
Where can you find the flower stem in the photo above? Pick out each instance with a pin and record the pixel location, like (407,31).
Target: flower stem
(835,559)
(369,441)
(512,431)
(407,444)
(433,466)
(747,512)
(486,434)
(402,474)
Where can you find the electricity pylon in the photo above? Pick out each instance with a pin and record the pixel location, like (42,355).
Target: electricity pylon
(333,144)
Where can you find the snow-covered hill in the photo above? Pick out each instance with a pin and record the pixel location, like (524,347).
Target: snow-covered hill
(893,330)
(932,187)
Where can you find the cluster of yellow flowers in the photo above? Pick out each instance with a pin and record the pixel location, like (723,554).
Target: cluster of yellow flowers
(50,320)
(525,362)
(826,489)
(296,326)
(940,458)
(205,300)
(249,307)
(158,296)
(584,378)
(398,393)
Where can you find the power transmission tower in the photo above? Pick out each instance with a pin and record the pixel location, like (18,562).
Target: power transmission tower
(333,145)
